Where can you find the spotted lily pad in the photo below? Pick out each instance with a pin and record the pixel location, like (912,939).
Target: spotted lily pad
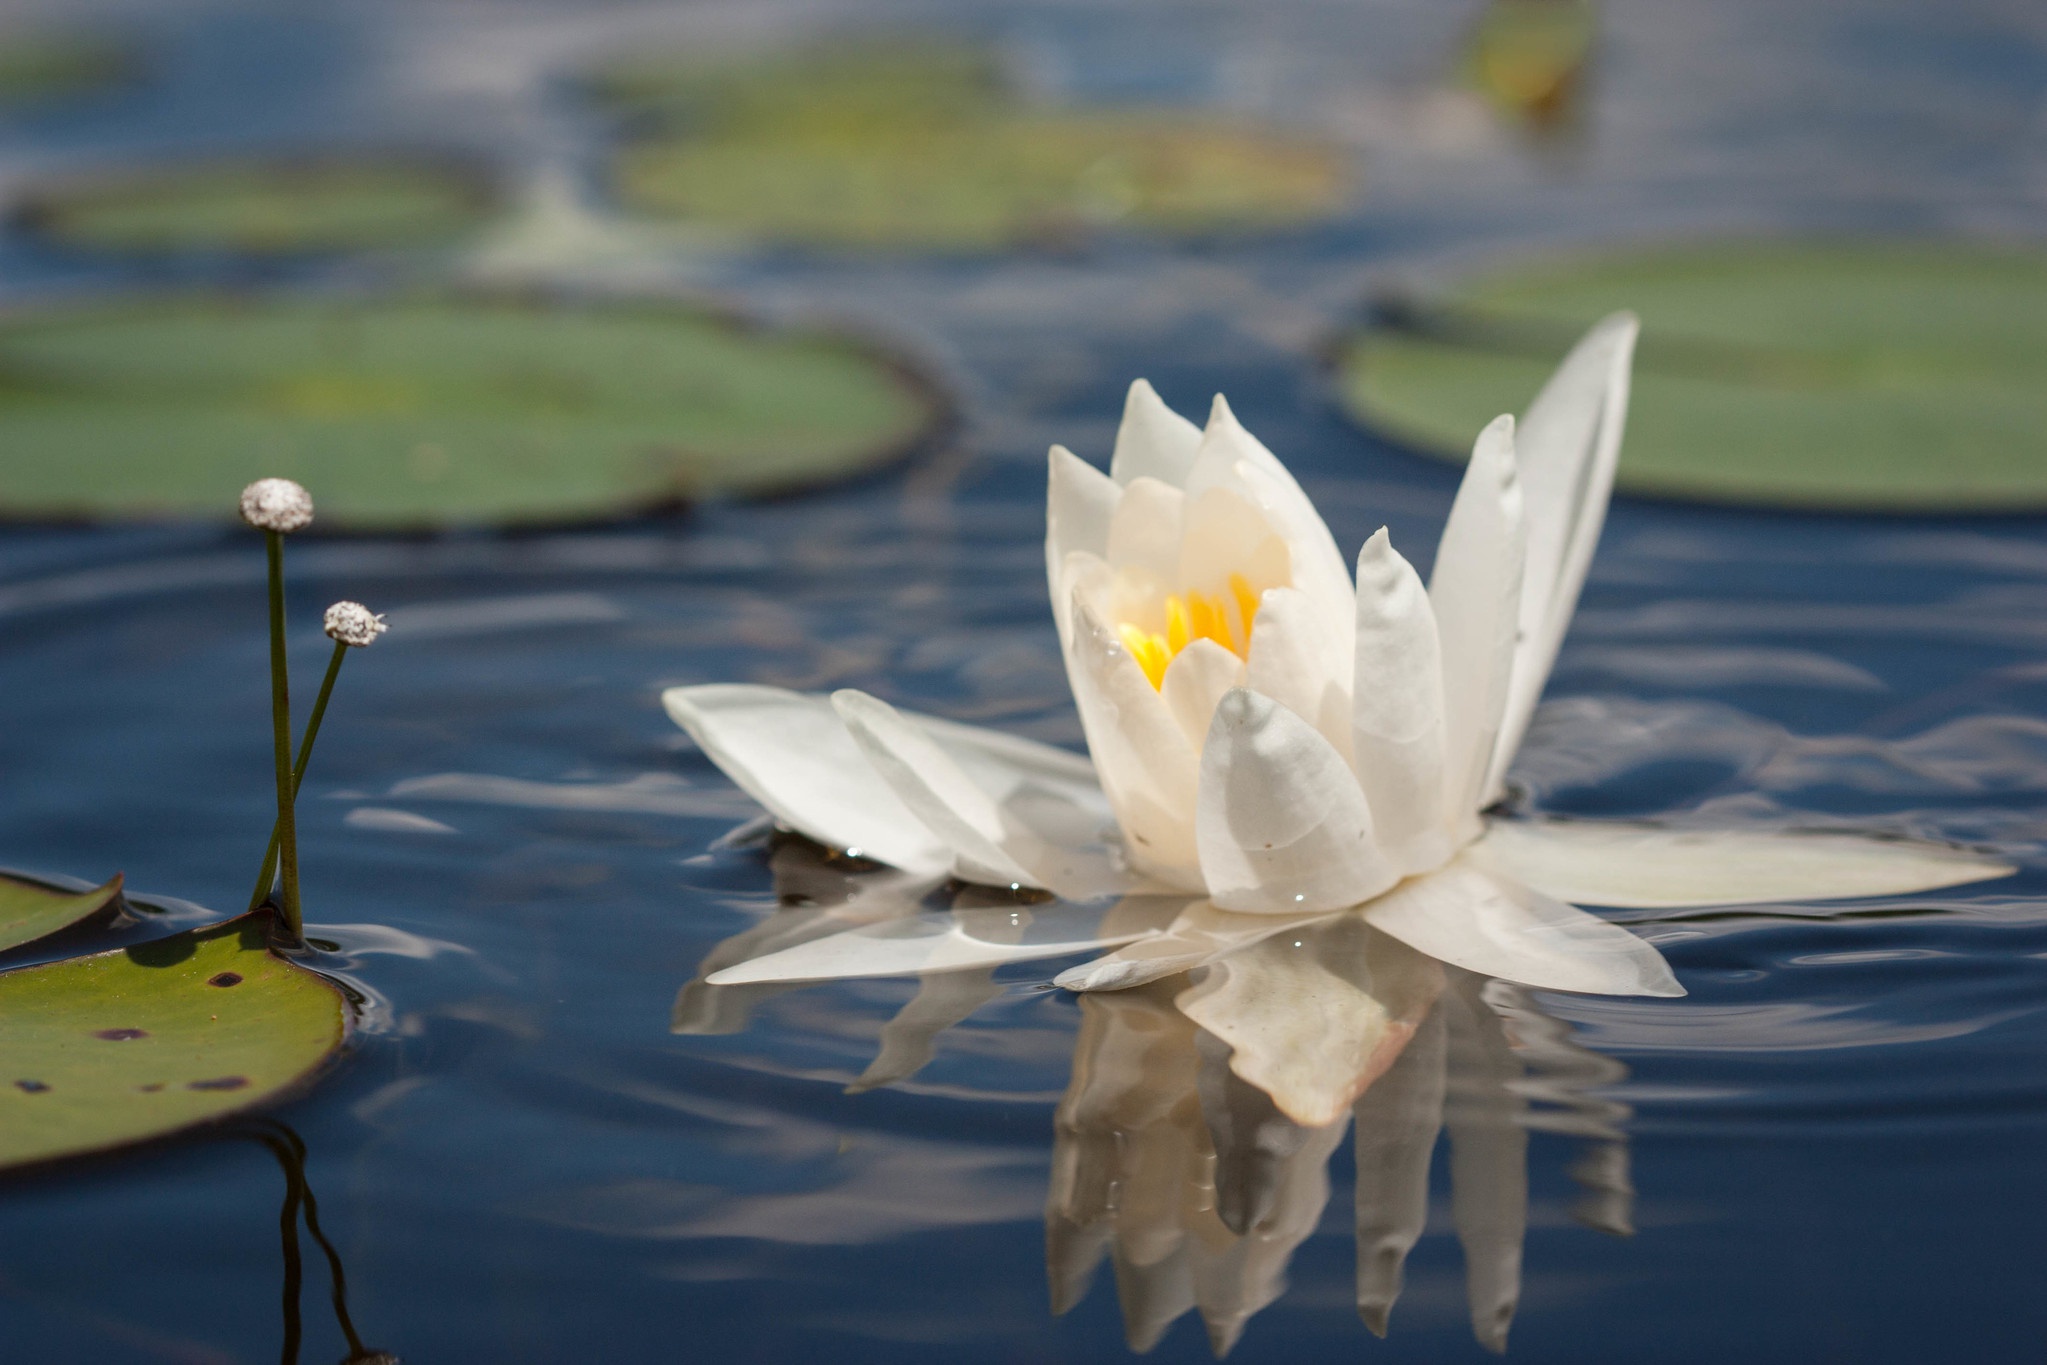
(102,1051)
(30,910)
(263,208)
(926,146)
(1861,376)
(419,411)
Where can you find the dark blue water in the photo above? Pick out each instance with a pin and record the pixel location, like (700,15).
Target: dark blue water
(1827,1152)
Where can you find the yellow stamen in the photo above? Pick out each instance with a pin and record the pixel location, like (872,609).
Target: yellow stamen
(1197,616)
(1211,622)
(1150,652)
(1247,604)
(1178,632)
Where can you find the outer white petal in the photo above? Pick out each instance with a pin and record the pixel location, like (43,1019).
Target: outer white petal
(1397,709)
(791,753)
(1079,502)
(1293,661)
(1195,681)
(986,817)
(1485,923)
(1234,459)
(1570,443)
(1643,867)
(1154,442)
(908,945)
(1475,591)
(1148,769)
(1281,823)
(1198,935)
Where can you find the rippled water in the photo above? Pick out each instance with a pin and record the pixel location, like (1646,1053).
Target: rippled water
(1828,1151)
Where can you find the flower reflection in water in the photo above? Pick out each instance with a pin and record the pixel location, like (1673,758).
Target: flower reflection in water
(1192,1144)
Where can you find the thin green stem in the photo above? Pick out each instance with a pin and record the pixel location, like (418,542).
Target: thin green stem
(280,733)
(268,877)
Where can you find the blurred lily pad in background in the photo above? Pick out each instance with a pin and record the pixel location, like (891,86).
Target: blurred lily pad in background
(421,411)
(101,1051)
(31,910)
(38,66)
(263,208)
(928,146)
(1529,59)
(1853,376)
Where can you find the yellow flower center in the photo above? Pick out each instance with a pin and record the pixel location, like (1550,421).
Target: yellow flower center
(1197,616)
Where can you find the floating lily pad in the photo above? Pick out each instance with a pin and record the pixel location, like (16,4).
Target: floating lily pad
(1810,375)
(926,147)
(29,910)
(263,208)
(433,410)
(36,67)
(106,1050)
(1528,58)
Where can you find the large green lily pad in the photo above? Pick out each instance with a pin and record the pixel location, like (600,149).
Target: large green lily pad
(29,910)
(263,208)
(421,411)
(1855,376)
(925,146)
(37,66)
(102,1051)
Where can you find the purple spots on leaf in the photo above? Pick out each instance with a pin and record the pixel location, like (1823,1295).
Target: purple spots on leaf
(31,1087)
(121,1035)
(225,979)
(219,1083)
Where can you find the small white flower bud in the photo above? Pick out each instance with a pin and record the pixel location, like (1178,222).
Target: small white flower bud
(277,505)
(352,623)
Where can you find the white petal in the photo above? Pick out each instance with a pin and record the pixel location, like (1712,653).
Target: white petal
(1490,925)
(1643,867)
(1144,531)
(910,1040)
(1148,769)
(1013,812)
(1225,534)
(1154,442)
(791,753)
(908,945)
(1079,501)
(1570,442)
(1232,458)
(1197,935)
(1281,823)
(1397,709)
(1293,661)
(1475,591)
(1195,681)
(1313,1018)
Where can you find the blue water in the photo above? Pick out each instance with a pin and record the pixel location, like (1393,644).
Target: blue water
(1832,1143)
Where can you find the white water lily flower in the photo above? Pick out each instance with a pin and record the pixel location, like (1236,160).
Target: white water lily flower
(1274,740)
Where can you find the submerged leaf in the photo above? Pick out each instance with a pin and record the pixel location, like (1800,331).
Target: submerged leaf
(30,910)
(101,1051)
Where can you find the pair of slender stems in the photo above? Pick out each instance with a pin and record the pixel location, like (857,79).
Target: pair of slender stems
(267,878)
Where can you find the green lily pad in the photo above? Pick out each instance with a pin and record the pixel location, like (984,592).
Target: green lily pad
(264,208)
(1879,377)
(422,411)
(924,146)
(29,910)
(102,1051)
(39,66)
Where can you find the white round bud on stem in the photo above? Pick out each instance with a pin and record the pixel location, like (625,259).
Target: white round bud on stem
(352,623)
(277,505)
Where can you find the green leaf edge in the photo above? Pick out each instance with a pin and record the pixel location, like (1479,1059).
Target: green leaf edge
(70,908)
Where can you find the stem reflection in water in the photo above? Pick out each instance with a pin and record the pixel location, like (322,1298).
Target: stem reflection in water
(290,1150)
(1192,1144)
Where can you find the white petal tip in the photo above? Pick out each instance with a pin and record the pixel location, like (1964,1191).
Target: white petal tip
(1097,976)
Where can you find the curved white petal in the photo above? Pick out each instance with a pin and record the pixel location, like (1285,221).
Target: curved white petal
(1643,867)
(1153,442)
(1485,923)
(1024,818)
(1397,709)
(1197,935)
(1079,502)
(1232,458)
(1475,591)
(1570,443)
(912,944)
(1293,661)
(1280,821)
(1144,530)
(1225,534)
(791,753)
(1195,681)
(1148,770)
